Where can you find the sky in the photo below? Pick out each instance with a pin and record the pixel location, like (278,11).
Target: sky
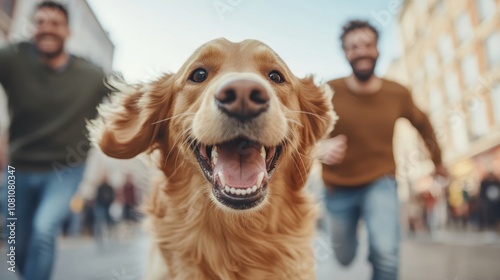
(153,36)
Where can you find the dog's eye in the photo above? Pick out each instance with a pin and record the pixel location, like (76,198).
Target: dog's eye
(276,77)
(199,75)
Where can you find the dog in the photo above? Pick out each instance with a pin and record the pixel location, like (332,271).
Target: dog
(234,132)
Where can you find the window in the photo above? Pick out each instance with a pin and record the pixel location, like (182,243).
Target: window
(486,9)
(470,70)
(7,7)
(479,117)
(438,8)
(417,76)
(431,65)
(421,6)
(436,107)
(495,102)
(492,49)
(409,30)
(463,27)
(458,130)
(446,48)
(453,91)
(6,10)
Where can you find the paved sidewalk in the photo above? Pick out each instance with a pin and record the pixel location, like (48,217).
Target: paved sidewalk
(422,259)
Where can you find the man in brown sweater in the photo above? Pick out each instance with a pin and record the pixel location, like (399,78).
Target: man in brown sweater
(358,160)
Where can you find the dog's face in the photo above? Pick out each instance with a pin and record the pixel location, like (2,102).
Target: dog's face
(234,111)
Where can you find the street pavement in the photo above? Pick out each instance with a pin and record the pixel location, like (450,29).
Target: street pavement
(125,258)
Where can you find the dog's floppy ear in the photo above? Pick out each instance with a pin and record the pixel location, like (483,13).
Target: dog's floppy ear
(318,118)
(128,123)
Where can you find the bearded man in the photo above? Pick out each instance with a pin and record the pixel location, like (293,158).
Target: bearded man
(358,161)
(50,94)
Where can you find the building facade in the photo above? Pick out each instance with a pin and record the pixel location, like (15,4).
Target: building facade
(6,13)
(452,57)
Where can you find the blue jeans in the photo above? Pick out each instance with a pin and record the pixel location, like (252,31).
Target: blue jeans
(377,204)
(102,218)
(41,204)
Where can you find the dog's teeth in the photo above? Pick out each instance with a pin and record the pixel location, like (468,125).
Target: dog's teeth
(222,179)
(215,155)
(263,152)
(260,178)
(241,192)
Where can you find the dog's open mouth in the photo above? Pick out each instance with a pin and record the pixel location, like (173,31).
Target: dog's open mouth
(239,170)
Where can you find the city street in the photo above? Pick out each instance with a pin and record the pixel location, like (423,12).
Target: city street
(476,259)
(387,111)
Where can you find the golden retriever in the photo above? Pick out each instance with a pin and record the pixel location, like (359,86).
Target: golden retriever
(234,130)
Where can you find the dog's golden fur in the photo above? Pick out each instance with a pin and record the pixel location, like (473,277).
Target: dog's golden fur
(195,237)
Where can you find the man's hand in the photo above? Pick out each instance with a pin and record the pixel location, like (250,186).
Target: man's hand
(77,203)
(441,171)
(333,150)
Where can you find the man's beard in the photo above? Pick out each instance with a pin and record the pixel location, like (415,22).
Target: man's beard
(54,53)
(363,75)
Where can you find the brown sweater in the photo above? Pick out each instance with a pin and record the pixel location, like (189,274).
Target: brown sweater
(368,122)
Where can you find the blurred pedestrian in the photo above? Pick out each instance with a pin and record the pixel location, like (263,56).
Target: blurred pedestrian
(358,161)
(50,94)
(129,200)
(76,216)
(429,203)
(88,218)
(489,195)
(458,205)
(102,205)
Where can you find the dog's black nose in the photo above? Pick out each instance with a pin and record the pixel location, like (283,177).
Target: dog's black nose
(242,99)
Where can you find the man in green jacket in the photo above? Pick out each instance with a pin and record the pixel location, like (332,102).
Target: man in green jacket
(50,95)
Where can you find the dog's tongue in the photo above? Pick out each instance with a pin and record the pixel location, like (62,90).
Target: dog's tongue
(241,163)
